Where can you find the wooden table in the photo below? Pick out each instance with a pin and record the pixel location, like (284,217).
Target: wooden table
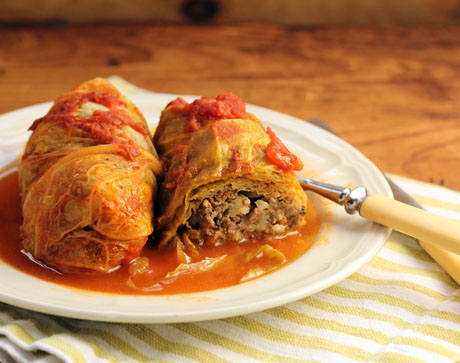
(392,93)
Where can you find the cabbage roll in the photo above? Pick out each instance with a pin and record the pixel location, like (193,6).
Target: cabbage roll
(88,179)
(226,177)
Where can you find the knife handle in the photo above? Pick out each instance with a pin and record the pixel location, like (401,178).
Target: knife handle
(428,227)
(449,261)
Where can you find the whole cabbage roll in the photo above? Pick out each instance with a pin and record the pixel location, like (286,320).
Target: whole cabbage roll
(226,177)
(88,179)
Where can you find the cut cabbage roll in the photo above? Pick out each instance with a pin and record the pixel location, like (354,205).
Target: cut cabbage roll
(88,179)
(226,177)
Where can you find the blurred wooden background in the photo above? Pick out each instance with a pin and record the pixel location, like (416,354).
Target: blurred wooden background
(288,12)
(384,73)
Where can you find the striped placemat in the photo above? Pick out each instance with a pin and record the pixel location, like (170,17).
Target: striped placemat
(401,307)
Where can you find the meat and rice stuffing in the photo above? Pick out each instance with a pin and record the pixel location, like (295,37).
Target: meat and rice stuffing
(240,215)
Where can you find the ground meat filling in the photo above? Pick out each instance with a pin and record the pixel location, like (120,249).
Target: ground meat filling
(239,215)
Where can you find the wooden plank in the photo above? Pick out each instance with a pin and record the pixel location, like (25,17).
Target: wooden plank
(288,12)
(393,93)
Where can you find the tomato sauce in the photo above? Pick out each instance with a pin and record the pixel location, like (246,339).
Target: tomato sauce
(69,104)
(225,106)
(100,126)
(279,154)
(161,261)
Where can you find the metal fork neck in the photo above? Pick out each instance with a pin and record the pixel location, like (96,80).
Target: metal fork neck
(351,199)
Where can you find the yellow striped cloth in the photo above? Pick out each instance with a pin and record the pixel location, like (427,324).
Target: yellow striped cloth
(401,307)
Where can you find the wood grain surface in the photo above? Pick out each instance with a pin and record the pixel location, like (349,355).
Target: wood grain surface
(287,12)
(392,93)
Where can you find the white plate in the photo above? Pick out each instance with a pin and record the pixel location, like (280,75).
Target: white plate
(345,244)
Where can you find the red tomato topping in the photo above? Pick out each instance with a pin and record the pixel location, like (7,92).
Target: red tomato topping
(192,125)
(239,166)
(100,127)
(70,104)
(279,154)
(131,149)
(225,106)
(227,130)
(179,169)
(101,124)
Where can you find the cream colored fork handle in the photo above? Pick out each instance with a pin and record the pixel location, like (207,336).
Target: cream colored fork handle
(428,227)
